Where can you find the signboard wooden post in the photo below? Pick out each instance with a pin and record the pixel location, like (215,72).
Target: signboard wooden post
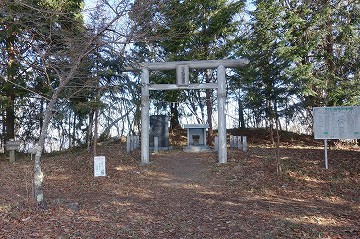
(99,166)
(12,146)
(342,122)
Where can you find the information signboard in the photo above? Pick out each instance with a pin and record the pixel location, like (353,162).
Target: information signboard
(99,166)
(12,145)
(341,122)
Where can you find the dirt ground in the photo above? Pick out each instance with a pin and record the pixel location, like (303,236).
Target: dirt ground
(186,195)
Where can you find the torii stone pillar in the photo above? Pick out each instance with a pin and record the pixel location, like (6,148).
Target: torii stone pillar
(145,107)
(221,66)
(222,153)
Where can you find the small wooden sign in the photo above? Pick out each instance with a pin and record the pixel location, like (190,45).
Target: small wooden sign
(12,145)
(99,166)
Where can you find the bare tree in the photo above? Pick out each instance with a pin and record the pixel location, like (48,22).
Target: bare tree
(60,43)
(62,52)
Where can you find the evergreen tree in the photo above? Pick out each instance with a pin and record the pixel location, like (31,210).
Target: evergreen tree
(324,36)
(23,36)
(194,30)
(304,53)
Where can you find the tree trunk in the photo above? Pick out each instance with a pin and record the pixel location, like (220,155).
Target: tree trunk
(241,114)
(277,144)
(38,174)
(89,133)
(271,122)
(209,110)
(41,118)
(96,115)
(74,130)
(10,104)
(10,117)
(69,130)
(278,158)
(174,116)
(38,179)
(2,141)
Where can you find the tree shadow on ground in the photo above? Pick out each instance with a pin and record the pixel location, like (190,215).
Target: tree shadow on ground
(184,195)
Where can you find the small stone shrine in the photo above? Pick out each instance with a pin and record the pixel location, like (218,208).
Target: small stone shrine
(159,128)
(196,138)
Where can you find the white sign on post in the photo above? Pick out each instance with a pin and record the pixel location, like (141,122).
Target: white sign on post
(99,166)
(341,122)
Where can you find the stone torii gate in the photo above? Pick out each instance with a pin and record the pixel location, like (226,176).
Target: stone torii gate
(182,72)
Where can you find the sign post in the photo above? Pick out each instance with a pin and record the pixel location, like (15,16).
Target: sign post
(326,156)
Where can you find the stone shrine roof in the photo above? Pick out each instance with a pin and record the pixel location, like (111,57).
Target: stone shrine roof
(195,126)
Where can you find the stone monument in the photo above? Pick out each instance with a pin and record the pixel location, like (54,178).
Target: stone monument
(159,128)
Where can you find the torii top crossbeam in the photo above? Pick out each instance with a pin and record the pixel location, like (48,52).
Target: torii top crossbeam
(204,64)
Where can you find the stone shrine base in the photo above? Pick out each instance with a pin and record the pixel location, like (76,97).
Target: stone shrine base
(197,149)
(161,148)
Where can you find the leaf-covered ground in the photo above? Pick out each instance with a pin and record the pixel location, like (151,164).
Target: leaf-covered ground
(186,195)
